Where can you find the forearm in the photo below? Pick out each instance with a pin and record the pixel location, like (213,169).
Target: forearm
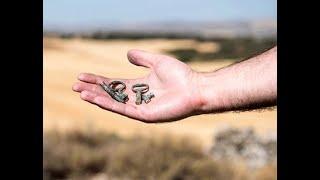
(249,84)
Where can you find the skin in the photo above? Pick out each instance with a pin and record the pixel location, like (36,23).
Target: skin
(181,92)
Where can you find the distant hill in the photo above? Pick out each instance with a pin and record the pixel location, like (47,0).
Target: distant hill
(256,29)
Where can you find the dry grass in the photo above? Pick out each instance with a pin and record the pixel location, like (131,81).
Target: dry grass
(64,111)
(76,145)
(83,155)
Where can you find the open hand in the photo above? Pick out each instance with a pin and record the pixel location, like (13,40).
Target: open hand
(171,81)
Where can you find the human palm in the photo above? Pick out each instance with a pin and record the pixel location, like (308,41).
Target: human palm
(171,81)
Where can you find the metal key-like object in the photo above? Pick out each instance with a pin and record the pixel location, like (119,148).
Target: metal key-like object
(114,92)
(139,89)
(147,98)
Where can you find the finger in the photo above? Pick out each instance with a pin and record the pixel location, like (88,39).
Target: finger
(92,78)
(96,79)
(82,86)
(88,95)
(143,58)
(109,104)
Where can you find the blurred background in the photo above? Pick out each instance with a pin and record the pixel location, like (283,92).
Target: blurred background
(82,141)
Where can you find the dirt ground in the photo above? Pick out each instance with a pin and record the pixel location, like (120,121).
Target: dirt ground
(64,59)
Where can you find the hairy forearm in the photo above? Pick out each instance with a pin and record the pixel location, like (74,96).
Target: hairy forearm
(249,84)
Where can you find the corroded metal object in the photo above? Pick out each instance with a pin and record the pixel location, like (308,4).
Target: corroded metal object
(140,89)
(115,90)
(147,98)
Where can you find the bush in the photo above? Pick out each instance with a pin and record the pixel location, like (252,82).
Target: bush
(244,144)
(236,49)
(79,155)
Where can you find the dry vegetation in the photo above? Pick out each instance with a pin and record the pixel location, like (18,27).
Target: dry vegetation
(64,59)
(76,143)
(85,155)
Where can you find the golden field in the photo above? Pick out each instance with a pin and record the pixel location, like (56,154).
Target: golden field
(64,59)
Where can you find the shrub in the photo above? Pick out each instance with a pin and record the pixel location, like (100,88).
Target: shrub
(80,155)
(236,49)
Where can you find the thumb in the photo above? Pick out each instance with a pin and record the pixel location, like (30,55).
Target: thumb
(143,58)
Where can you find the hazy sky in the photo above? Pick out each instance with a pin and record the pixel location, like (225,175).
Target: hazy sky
(90,12)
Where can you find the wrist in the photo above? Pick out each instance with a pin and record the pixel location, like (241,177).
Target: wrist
(205,99)
(210,94)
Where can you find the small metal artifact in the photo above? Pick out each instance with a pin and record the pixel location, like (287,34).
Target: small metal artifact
(114,92)
(147,98)
(140,89)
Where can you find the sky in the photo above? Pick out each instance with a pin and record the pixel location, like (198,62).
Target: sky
(92,12)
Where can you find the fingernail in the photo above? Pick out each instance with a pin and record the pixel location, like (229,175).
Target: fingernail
(75,87)
(81,76)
